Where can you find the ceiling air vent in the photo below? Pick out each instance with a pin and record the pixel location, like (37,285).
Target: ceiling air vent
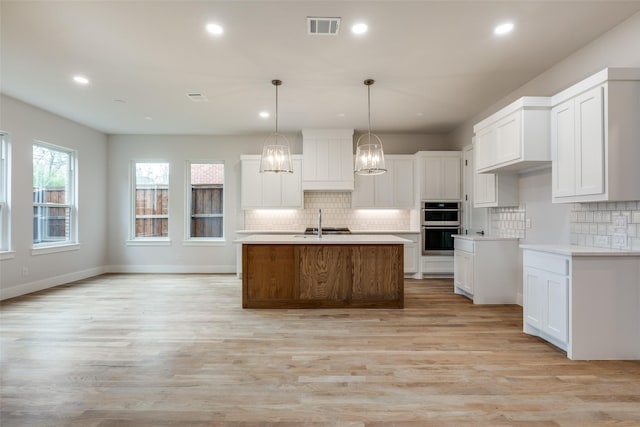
(322,26)
(197,97)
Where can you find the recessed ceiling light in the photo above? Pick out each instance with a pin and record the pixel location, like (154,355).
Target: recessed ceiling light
(503,29)
(264,114)
(359,28)
(340,114)
(148,118)
(81,80)
(215,29)
(419,114)
(120,101)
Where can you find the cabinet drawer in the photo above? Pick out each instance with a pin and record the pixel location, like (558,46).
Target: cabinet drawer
(437,264)
(547,262)
(464,245)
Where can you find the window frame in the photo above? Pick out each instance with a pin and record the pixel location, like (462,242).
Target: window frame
(205,241)
(5,195)
(72,193)
(151,240)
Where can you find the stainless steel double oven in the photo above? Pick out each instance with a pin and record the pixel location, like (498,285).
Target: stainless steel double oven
(440,221)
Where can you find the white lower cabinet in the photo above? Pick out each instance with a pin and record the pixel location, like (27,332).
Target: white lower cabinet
(437,265)
(463,271)
(411,253)
(547,304)
(486,269)
(586,304)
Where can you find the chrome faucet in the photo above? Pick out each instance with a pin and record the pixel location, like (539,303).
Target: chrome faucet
(319,223)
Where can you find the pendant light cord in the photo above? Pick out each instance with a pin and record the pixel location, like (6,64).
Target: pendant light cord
(369,105)
(276,109)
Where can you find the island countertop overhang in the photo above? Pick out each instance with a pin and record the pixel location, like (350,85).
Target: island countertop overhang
(329,239)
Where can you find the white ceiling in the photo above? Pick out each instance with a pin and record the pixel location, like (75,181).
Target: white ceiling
(436,63)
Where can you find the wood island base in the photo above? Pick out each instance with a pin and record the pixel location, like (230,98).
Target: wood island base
(322,276)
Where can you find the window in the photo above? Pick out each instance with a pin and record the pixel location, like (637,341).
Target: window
(205,200)
(54,209)
(4,192)
(150,200)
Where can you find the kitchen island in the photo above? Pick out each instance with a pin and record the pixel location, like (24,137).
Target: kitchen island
(304,271)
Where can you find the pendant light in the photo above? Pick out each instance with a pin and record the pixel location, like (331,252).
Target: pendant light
(276,152)
(369,153)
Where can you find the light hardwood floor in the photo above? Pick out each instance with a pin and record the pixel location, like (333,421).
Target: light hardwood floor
(167,350)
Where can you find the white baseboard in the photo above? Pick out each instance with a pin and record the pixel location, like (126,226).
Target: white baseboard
(49,282)
(168,269)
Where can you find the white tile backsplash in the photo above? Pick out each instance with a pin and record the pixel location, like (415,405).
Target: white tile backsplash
(508,222)
(336,212)
(595,223)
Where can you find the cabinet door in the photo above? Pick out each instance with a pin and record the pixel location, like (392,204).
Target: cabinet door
(484,189)
(271,190)
(403,187)
(534,297)
(557,306)
(450,178)
(474,218)
(383,186)
(431,178)
(251,184)
(292,186)
(508,138)
(563,171)
(310,149)
(589,154)
(463,271)
(411,258)
(485,148)
(363,192)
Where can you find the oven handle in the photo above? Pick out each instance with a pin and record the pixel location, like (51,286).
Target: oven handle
(440,210)
(429,227)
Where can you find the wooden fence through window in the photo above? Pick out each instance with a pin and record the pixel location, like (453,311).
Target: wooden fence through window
(152,211)
(207,210)
(50,223)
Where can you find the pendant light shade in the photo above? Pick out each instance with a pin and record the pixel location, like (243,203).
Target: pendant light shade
(369,152)
(276,151)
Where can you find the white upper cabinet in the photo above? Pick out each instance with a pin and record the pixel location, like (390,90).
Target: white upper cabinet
(393,189)
(440,175)
(328,159)
(595,129)
(484,190)
(514,138)
(270,190)
(474,219)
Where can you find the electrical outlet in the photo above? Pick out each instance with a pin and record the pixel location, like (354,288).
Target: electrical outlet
(619,240)
(25,271)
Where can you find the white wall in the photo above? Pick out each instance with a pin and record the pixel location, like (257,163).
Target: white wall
(25,124)
(176,149)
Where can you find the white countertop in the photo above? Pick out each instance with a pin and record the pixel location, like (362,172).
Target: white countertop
(352,231)
(270,231)
(476,237)
(327,239)
(572,250)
